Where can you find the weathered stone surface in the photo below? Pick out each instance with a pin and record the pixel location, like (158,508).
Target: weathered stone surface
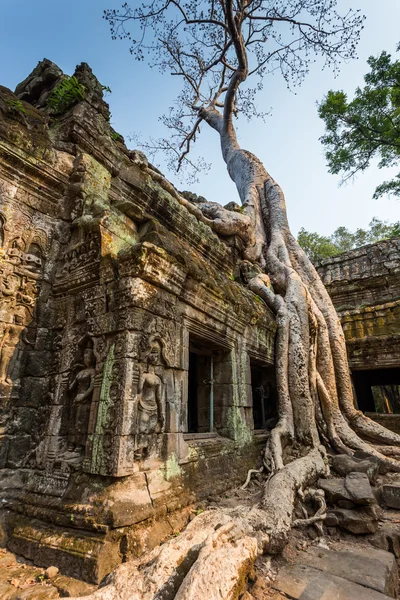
(205,579)
(301,582)
(375,569)
(391,495)
(364,285)
(335,490)
(346,504)
(68,587)
(387,538)
(108,285)
(344,464)
(178,568)
(356,521)
(51,572)
(84,555)
(115,300)
(37,592)
(359,489)
(35,88)
(331,520)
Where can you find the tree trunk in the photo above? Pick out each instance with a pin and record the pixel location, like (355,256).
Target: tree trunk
(315,395)
(315,405)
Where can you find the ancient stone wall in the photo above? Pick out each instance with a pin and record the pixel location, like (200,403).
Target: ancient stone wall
(364,285)
(109,287)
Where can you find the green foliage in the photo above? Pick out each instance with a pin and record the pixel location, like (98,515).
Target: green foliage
(17,106)
(67,93)
(366,127)
(106,89)
(116,136)
(317,247)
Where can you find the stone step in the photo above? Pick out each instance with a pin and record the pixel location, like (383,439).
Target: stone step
(21,581)
(302,582)
(372,568)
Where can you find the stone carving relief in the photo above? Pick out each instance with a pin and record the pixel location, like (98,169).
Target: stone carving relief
(84,246)
(21,269)
(150,393)
(80,253)
(80,388)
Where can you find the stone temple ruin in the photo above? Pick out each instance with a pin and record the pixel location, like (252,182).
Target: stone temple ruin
(136,370)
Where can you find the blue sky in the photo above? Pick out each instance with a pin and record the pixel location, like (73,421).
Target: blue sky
(71,32)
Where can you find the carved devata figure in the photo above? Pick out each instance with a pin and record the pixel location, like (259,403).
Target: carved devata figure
(10,336)
(21,262)
(150,415)
(80,392)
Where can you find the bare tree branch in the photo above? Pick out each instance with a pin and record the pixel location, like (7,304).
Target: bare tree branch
(218,47)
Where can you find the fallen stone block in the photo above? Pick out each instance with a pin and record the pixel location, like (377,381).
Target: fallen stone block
(391,495)
(331,520)
(344,464)
(387,538)
(335,490)
(356,521)
(375,569)
(359,488)
(301,582)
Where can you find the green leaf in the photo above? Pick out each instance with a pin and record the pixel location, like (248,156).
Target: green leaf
(366,127)
(67,93)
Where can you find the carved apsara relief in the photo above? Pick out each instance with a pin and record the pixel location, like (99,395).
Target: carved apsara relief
(22,253)
(80,388)
(154,360)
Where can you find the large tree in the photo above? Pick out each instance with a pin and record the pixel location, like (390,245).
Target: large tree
(366,127)
(317,247)
(222,50)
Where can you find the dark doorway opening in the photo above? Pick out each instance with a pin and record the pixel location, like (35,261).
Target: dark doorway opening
(378,390)
(264,396)
(193,421)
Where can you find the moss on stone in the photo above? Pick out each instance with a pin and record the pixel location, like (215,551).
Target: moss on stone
(238,427)
(172,468)
(98,453)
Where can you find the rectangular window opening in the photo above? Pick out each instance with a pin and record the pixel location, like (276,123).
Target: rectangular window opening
(263,389)
(378,390)
(204,408)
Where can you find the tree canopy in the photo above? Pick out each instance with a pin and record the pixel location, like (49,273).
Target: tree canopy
(367,127)
(318,247)
(222,50)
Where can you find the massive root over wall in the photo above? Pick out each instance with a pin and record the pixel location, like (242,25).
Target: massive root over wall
(212,557)
(315,397)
